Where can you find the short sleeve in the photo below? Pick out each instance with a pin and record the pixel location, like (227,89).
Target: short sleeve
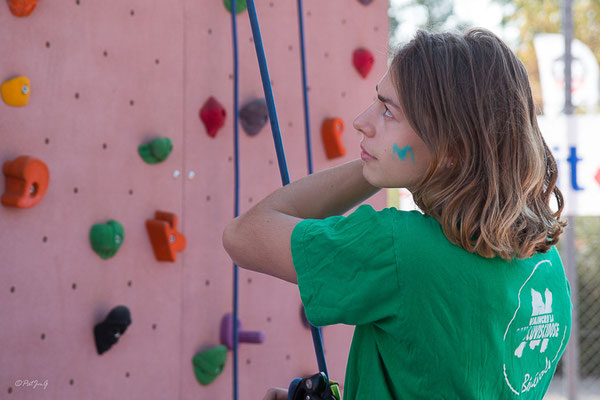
(346,267)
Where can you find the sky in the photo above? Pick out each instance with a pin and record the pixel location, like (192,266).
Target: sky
(484,13)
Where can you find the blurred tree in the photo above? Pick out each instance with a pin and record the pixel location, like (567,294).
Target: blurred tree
(529,16)
(439,15)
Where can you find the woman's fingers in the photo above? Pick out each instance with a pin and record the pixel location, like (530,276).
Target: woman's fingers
(276,394)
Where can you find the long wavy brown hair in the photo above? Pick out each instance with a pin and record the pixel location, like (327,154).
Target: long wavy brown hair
(492,175)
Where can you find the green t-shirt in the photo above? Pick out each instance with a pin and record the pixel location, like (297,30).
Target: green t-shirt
(433,321)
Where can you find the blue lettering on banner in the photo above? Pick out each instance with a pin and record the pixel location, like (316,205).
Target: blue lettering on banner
(572,160)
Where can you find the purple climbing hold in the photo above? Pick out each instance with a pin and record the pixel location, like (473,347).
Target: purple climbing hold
(243,336)
(254,116)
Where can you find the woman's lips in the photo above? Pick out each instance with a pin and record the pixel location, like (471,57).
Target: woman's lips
(366,156)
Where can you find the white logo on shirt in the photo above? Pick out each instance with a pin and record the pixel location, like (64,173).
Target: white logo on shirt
(537,335)
(541,325)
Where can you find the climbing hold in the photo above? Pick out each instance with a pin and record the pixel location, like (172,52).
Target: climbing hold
(156,151)
(15,92)
(213,115)
(27,180)
(107,238)
(365,2)
(331,131)
(240,5)
(22,8)
(165,239)
(363,61)
(209,364)
(108,332)
(243,336)
(254,116)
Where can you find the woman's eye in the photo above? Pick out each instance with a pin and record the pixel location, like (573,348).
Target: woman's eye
(387,112)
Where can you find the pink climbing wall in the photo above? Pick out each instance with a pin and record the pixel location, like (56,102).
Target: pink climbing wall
(107,76)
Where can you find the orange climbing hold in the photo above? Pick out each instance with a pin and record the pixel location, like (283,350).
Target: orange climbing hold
(166,241)
(22,8)
(331,130)
(15,92)
(27,180)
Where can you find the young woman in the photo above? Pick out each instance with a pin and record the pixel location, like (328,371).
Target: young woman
(466,300)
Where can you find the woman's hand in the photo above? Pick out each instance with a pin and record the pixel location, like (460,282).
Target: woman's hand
(276,394)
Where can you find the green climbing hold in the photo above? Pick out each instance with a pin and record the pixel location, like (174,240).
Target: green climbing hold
(209,364)
(156,151)
(240,5)
(107,238)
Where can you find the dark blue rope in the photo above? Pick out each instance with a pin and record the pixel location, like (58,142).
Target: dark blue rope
(305,88)
(316,333)
(237,192)
(266,81)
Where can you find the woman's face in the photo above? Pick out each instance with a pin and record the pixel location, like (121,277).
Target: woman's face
(399,158)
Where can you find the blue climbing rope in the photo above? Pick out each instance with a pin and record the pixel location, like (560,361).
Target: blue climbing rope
(316,333)
(266,81)
(237,191)
(305,88)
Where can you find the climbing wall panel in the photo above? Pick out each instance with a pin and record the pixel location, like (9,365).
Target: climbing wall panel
(107,77)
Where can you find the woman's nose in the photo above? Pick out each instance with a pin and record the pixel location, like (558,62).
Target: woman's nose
(362,124)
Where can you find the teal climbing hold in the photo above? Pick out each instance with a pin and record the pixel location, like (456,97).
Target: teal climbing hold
(209,364)
(107,238)
(240,5)
(156,151)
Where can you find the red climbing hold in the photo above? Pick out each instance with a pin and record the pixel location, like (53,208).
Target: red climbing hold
(22,8)
(213,115)
(363,61)
(27,180)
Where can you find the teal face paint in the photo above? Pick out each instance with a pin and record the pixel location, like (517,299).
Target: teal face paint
(402,152)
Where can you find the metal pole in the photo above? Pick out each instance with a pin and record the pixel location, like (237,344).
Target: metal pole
(572,351)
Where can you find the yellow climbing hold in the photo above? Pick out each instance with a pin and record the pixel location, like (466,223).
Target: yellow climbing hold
(15,92)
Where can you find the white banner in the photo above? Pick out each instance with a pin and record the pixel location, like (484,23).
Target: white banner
(575,143)
(549,49)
